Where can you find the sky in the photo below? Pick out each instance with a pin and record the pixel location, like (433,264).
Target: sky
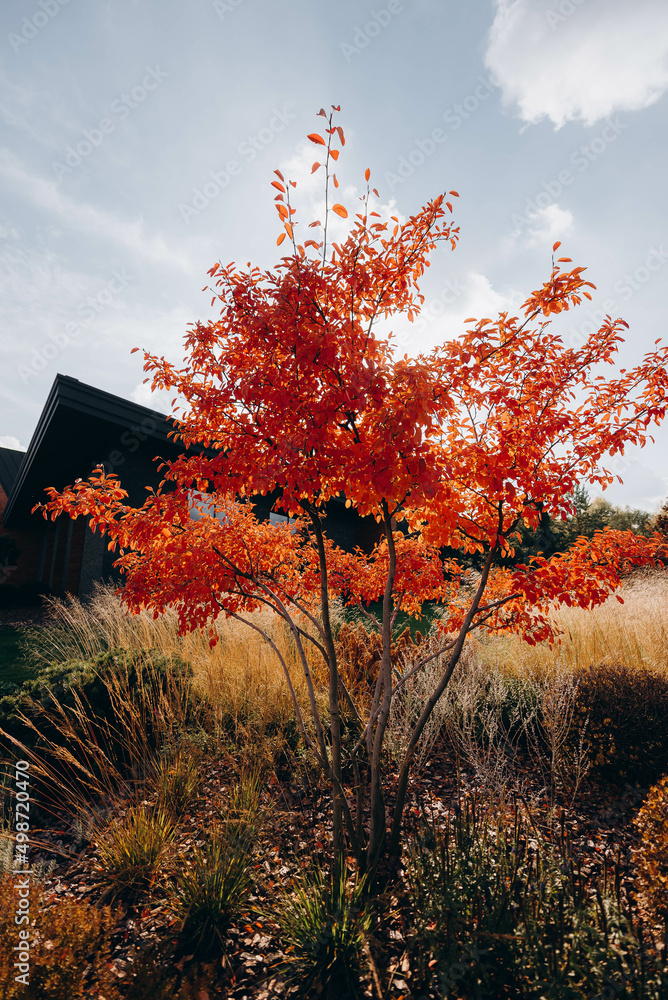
(138,143)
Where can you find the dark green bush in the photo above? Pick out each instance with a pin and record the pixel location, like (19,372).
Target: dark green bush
(627,733)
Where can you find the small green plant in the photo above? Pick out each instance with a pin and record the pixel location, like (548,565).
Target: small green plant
(177,782)
(132,850)
(207,893)
(323,927)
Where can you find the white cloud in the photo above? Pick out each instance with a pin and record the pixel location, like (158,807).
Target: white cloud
(9,441)
(570,60)
(159,400)
(45,194)
(545,227)
(443,314)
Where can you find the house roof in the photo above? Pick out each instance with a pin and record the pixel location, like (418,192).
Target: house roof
(80,427)
(10,463)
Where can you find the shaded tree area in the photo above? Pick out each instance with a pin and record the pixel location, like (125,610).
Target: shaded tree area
(552,535)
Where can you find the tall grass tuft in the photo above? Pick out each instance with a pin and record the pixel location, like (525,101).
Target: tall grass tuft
(208,890)
(497,910)
(323,930)
(132,850)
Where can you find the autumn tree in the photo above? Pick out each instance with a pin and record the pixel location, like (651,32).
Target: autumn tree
(293,389)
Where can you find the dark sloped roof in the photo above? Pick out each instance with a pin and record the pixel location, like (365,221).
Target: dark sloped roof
(79,427)
(10,463)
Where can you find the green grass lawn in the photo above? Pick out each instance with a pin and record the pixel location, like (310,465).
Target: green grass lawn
(12,666)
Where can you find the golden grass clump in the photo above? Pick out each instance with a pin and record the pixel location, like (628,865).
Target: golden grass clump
(241,674)
(634,634)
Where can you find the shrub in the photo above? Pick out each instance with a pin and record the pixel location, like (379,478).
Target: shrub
(359,652)
(95,724)
(177,782)
(132,850)
(651,858)
(323,927)
(208,890)
(497,911)
(243,813)
(70,949)
(627,732)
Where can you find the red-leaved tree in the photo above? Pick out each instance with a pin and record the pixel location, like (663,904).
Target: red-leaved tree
(293,389)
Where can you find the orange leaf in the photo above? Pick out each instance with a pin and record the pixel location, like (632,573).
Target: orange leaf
(280,239)
(279,175)
(367,174)
(288,229)
(340,210)
(454,194)
(315,167)
(556,245)
(341,135)
(334,154)
(278,186)
(317,139)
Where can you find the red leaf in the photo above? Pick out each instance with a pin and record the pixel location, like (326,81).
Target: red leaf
(317,139)
(341,135)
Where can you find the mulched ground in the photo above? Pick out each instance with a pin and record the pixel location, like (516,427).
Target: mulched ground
(23,617)
(296,830)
